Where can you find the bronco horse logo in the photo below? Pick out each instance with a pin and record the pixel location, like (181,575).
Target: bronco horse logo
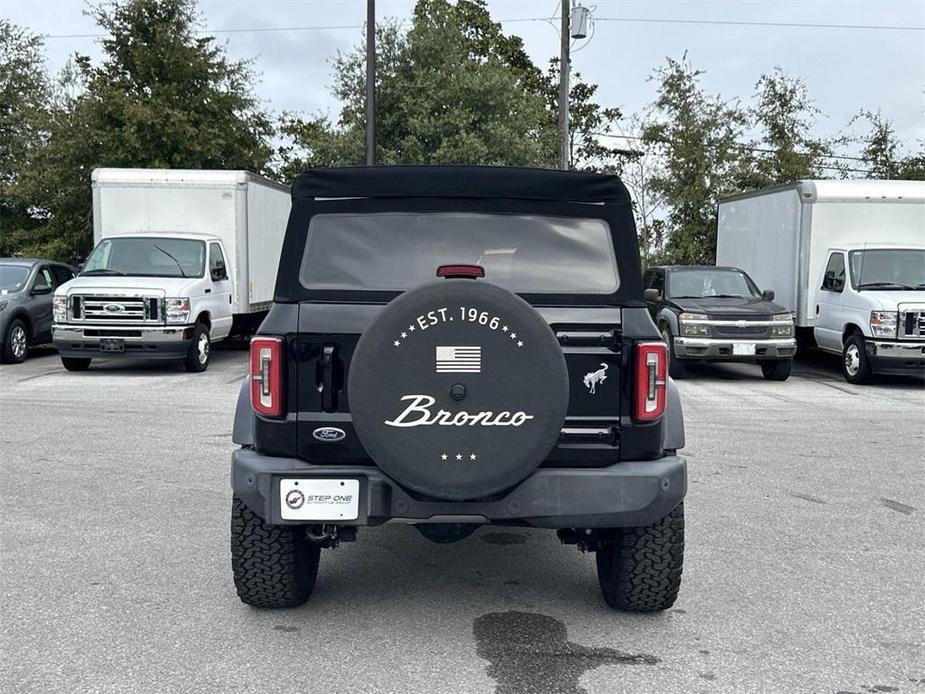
(592,378)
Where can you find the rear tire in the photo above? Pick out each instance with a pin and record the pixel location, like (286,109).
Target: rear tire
(200,350)
(273,565)
(15,343)
(640,568)
(677,369)
(75,363)
(777,370)
(854,362)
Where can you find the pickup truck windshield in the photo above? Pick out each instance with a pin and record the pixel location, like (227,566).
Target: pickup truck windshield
(147,257)
(887,269)
(697,284)
(13,277)
(397,251)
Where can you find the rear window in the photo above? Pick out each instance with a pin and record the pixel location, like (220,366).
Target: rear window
(522,253)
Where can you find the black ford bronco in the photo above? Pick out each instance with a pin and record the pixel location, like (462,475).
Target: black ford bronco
(451,347)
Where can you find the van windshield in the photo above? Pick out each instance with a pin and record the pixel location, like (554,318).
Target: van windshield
(147,257)
(400,250)
(888,269)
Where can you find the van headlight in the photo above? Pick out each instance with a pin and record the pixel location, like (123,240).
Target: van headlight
(177,310)
(783,325)
(883,323)
(59,307)
(691,326)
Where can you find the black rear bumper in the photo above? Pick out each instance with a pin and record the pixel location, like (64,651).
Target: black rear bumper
(626,494)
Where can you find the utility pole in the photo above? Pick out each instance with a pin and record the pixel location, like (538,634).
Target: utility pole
(564,67)
(370,82)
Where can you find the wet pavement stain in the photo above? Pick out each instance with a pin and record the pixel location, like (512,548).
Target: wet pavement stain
(806,497)
(896,506)
(530,653)
(504,538)
(288,630)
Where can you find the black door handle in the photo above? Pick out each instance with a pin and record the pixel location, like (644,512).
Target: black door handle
(208,291)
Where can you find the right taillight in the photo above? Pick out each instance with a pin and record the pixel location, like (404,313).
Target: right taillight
(266,376)
(651,381)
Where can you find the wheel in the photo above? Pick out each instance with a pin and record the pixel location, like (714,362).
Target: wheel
(197,358)
(15,343)
(273,565)
(640,568)
(75,363)
(855,364)
(676,367)
(777,370)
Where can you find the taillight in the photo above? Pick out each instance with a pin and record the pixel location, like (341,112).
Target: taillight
(266,380)
(651,380)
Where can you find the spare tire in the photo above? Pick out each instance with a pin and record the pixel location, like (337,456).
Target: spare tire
(458,390)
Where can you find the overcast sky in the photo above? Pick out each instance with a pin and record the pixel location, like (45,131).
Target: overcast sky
(846,69)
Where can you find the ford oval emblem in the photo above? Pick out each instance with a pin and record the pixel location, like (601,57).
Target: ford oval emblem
(114,308)
(329,434)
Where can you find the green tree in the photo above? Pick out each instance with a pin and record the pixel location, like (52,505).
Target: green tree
(697,135)
(160,97)
(884,153)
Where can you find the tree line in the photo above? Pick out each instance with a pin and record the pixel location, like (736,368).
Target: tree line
(452,88)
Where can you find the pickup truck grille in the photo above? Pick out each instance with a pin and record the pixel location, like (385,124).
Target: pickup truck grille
(912,324)
(741,331)
(114,310)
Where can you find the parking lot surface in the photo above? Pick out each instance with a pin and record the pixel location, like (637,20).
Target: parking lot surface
(803,571)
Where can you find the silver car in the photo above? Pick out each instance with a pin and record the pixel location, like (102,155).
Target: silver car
(27,286)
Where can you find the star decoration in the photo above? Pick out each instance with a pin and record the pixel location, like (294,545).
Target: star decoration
(513,336)
(472,456)
(504,329)
(404,335)
(443,457)
(396,343)
(520,343)
(458,456)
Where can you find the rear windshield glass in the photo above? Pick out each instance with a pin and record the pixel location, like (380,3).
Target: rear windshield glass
(397,251)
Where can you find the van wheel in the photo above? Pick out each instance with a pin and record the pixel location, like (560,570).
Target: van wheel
(75,363)
(855,364)
(777,370)
(677,369)
(639,569)
(200,350)
(273,565)
(15,343)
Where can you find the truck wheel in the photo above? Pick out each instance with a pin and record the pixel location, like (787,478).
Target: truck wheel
(855,364)
(640,568)
(777,370)
(15,343)
(273,565)
(75,363)
(677,369)
(197,358)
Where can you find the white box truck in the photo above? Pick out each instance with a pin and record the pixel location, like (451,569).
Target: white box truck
(182,257)
(847,257)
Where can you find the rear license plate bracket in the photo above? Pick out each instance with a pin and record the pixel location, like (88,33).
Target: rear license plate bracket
(319,499)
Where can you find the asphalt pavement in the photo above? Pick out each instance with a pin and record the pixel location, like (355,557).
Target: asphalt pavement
(803,571)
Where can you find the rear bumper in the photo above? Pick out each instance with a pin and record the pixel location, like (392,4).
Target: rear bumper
(145,342)
(721,348)
(896,357)
(626,494)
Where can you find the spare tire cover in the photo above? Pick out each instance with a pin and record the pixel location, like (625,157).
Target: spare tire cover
(458,389)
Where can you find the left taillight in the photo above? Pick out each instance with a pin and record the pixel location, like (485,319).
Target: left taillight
(651,381)
(266,376)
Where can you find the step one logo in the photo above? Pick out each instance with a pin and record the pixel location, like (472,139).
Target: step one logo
(459,359)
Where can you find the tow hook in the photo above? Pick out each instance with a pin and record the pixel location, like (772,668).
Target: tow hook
(586,539)
(329,536)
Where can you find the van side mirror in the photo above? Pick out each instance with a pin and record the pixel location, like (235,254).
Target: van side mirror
(41,289)
(218,271)
(828,280)
(653,295)
(768,295)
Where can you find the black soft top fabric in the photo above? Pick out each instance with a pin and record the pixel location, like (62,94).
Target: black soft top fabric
(458,182)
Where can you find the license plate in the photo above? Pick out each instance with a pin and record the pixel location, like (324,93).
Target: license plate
(112,345)
(744,350)
(319,500)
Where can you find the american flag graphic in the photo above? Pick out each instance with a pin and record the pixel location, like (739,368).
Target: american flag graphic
(459,360)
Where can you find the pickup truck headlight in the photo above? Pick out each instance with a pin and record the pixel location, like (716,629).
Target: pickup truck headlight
(59,304)
(883,323)
(693,329)
(783,325)
(177,310)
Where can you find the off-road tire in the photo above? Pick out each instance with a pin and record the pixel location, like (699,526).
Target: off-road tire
(639,569)
(11,353)
(194,360)
(75,363)
(854,348)
(777,370)
(677,369)
(273,565)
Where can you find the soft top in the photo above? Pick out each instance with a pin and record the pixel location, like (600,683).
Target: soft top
(458,182)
